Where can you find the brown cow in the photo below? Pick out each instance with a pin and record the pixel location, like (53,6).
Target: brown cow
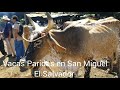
(77,42)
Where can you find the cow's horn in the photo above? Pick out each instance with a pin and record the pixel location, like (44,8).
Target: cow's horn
(35,25)
(50,22)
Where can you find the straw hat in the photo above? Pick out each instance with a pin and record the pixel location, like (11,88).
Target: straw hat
(5,17)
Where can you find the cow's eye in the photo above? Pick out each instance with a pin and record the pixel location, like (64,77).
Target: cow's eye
(38,43)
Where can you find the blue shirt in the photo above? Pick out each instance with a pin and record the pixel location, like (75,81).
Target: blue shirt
(8,27)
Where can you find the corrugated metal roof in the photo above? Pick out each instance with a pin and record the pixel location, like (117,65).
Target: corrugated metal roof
(35,15)
(54,15)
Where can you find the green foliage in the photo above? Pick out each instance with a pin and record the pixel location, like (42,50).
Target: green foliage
(22,20)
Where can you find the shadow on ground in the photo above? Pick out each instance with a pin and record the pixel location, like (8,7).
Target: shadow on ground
(1,60)
(22,69)
(11,59)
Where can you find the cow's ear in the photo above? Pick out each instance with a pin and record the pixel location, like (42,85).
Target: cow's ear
(55,45)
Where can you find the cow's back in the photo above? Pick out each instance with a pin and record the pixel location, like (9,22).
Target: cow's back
(83,42)
(103,41)
(75,40)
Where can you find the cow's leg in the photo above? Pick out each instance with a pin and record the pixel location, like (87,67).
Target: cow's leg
(75,74)
(87,71)
(33,71)
(111,65)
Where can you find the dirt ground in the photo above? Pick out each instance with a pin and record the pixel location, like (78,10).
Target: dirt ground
(14,72)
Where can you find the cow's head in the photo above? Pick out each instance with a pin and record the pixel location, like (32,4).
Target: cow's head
(40,41)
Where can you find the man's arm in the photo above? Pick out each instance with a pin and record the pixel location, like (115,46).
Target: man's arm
(9,37)
(10,29)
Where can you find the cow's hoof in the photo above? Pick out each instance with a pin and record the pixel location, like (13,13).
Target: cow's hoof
(86,76)
(23,69)
(109,71)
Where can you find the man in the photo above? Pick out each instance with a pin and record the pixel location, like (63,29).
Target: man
(8,36)
(2,49)
(19,46)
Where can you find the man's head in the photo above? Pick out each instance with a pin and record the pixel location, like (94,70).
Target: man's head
(5,18)
(14,18)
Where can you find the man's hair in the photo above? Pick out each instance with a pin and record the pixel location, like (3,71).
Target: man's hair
(15,17)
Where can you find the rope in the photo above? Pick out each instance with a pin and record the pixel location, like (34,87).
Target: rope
(32,40)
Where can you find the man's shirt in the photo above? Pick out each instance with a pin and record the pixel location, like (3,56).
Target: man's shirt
(16,26)
(7,29)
